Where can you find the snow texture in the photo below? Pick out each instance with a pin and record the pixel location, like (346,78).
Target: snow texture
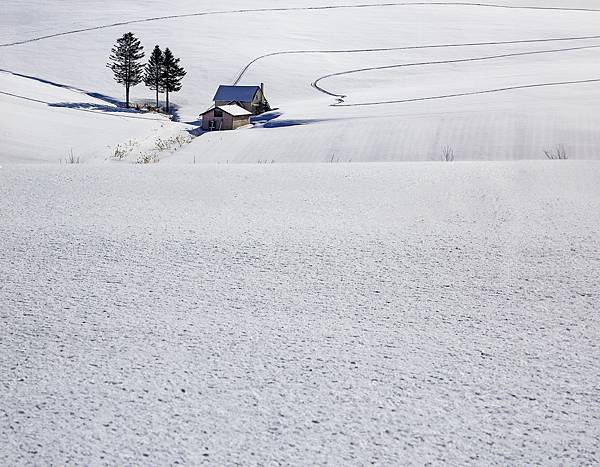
(300,314)
(234,110)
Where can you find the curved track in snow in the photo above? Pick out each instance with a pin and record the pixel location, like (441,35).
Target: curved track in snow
(340,97)
(313,8)
(472,93)
(315,84)
(245,69)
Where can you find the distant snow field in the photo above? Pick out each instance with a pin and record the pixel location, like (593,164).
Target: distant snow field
(300,314)
(496,81)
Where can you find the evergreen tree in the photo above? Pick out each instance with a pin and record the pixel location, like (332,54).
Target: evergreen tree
(154,71)
(172,74)
(125,62)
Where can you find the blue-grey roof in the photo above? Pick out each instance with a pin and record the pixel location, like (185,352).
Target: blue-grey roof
(236,93)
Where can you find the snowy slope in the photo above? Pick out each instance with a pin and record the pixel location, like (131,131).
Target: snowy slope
(44,122)
(508,124)
(300,314)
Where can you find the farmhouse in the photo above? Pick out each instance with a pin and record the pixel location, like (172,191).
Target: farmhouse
(225,117)
(233,106)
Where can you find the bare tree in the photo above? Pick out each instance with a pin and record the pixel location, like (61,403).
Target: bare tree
(559,153)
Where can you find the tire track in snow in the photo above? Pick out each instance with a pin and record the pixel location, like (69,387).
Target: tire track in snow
(340,97)
(67,87)
(313,8)
(472,93)
(245,69)
(25,98)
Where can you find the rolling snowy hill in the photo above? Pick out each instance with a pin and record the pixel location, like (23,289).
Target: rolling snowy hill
(492,81)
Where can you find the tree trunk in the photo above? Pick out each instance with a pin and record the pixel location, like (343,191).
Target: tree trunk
(167,93)
(127,82)
(157,99)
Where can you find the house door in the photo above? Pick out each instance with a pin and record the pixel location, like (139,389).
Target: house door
(212,125)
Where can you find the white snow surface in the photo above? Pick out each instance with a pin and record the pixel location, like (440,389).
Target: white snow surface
(300,314)
(563,107)
(230,313)
(234,110)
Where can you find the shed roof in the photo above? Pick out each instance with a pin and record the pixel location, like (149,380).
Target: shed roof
(232,109)
(236,93)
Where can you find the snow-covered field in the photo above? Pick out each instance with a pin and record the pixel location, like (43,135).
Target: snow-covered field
(211,310)
(300,314)
(434,50)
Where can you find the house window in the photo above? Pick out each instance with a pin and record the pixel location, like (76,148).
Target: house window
(218,113)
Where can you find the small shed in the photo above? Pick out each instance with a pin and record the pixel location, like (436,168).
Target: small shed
(225,117)
(251,98)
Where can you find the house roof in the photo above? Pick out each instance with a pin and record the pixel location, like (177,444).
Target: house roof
(234,110)
(236,93)
(231,109)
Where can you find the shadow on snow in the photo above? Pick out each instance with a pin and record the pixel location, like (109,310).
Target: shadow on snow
(113,105)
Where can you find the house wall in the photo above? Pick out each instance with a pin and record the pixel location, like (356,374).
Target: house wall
(221,123)
(228,122)
(240,121)
(259,103)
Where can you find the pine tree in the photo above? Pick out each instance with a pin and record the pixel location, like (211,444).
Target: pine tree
(153,72)
(125,62)
(172,74)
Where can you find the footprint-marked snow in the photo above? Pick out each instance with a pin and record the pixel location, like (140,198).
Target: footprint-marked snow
(300,314)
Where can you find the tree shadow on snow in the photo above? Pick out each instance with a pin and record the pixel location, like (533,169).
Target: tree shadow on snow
(197,130)
(113,105)
(265,117)
(286,123)
(174,112)
(105,98)
(271,120)
(90,106)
